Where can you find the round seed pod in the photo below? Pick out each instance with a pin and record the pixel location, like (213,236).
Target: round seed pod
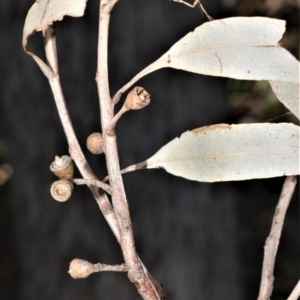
(63,167)
(95,143)
(80,268)
(137,98)
(61,190)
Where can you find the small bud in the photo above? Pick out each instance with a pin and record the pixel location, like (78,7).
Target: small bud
(80,268)
(137,98)
(95,143)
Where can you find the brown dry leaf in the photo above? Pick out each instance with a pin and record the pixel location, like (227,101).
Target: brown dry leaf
(44,12)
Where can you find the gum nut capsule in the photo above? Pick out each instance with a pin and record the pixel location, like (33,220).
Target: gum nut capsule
(63,167)
(80,268)
(95,143)
(137,98)
(61,190)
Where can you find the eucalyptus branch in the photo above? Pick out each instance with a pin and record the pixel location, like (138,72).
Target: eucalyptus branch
(295,293)
(272,242)
(211,49)
(136,271)
(74,147)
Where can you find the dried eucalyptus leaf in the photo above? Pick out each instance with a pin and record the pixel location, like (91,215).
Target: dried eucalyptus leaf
(232,152)
(44,12)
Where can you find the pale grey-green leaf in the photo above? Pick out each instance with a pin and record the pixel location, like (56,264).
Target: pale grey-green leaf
(288,94)
(243,48)
(232,152)
(240,48)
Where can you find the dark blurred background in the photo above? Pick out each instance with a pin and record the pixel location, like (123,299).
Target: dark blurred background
(202,241)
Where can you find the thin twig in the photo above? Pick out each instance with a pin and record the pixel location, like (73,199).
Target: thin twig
(198,3)
(149,69)
(272,242)
(154,66)
(295,293)
(74,147)
(110,129)
(112,268)
(186,3)
(95,182)
(136,271)
(139,166)
(80,268)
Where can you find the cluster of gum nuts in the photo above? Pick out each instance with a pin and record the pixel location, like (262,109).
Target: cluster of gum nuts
(63,167)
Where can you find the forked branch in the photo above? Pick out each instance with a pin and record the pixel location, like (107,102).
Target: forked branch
(77,155)
(74,147)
